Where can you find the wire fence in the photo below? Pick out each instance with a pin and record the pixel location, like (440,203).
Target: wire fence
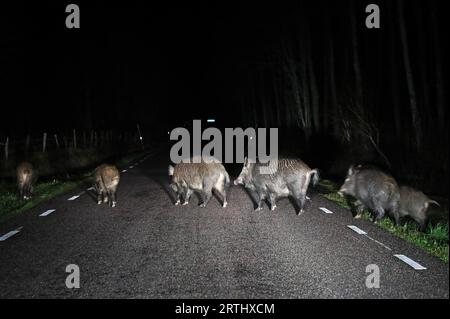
(75,139)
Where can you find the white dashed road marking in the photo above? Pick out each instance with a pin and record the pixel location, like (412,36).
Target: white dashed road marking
(131,167)
(91,188)
(124,171)
(73,197)
(48,212)
(325,210)
(10,234)
(362,232)
(378,242)
(357,230)
(410,262)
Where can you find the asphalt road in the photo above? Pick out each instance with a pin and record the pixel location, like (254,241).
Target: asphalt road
(148,248)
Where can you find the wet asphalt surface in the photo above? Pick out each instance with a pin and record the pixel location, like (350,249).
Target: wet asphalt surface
(148,248)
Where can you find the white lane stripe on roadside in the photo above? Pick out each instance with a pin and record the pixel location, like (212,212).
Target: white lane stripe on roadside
(48,212)
(410,262)
(73,197)
(91,188)
(124,171)
(131,167)
(378,242)
(357,230)
(325,210)
(362,232)
(10,234)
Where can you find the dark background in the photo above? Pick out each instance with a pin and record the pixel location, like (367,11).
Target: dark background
(337,91)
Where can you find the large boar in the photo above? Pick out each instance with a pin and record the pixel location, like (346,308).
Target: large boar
(107,179)
(202,178)
(414,203)
(290,177)
(373,189)
(25,179)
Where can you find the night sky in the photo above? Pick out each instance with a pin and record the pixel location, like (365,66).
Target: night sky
(163,66)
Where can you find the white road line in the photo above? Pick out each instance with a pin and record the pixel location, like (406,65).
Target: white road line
(325,210)
(10,234)
(357,230)
(91,188)
(131,167)
(48,212)
(410,262)
(308,198)
(378,242)
(362,232)
(73,197)
(124,171)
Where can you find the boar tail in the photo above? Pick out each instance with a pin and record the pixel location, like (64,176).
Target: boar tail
(433,202)
(315,175)
(171,169)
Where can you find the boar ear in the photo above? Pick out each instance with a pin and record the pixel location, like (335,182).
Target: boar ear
(350,170)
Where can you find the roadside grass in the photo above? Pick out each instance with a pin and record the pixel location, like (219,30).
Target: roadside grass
(434,240)
(11,205)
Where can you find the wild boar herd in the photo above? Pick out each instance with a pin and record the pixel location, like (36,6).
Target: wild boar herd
(372,188)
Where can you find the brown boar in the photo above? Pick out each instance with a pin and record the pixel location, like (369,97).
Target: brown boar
(25,179)
(202,178)
(107,179)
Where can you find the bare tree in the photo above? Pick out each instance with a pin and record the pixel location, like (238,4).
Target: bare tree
(415,116)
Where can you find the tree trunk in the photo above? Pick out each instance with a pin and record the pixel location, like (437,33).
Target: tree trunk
(415,116)
(440,96)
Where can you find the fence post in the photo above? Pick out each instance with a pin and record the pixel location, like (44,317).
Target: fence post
(140,136)
(44,143)
(74,139)
(56,140)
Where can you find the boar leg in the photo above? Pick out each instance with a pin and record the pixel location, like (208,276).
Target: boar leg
(298,192)
(260,197)
(98,188)
(422,219)
(206,196)
(378,214)
(113,198)
(359,209)
(187,196)
(272,201)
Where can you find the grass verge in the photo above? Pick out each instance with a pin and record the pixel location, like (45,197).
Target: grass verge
(11,205)
(434,241)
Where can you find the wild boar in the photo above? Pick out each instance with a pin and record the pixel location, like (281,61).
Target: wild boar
(107,179)
(373,189)
(414,203)
(25,179)
(290,177)
(202,178)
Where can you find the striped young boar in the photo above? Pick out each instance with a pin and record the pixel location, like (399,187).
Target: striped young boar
(107,179)
(202,178)
(25,179)
(372,189)
(414,203)
(291,177)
